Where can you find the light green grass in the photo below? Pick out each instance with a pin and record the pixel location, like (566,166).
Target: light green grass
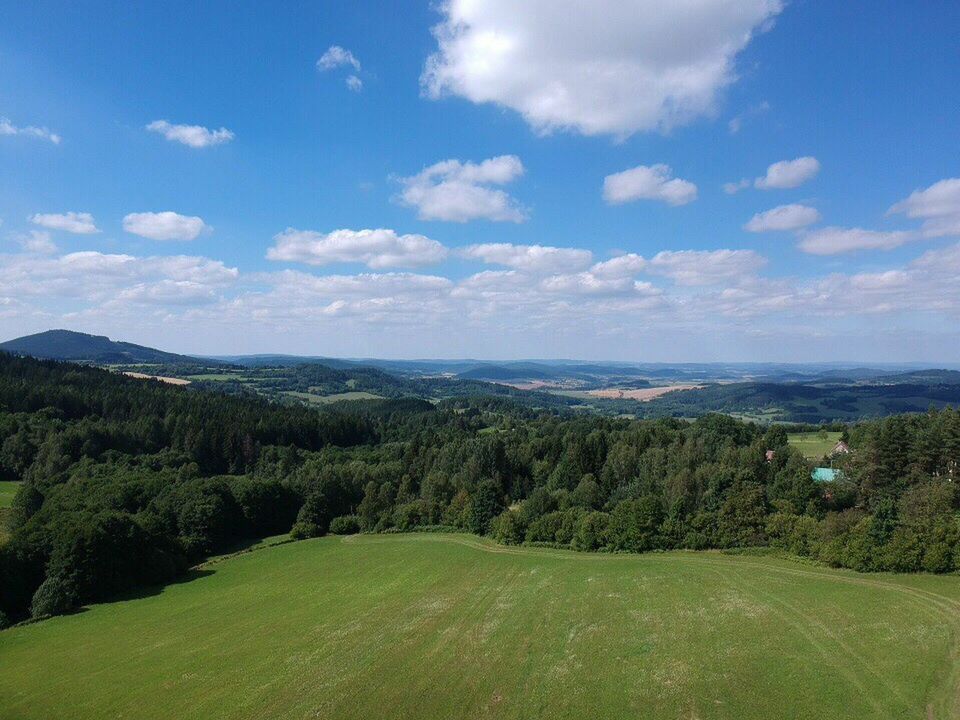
(812,445)
(7,490)
(449,626)
(336,397)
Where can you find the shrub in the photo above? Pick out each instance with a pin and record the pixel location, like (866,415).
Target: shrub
(592,531)
(506,528)
(55,596)
(545,527)
(345,525)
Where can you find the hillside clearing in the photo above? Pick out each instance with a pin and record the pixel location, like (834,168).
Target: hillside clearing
(450,626)
(812,445)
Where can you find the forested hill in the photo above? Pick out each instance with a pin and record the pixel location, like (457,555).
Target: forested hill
(76,346)
(126,483)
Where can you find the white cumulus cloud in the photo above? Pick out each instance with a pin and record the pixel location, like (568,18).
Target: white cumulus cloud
(458,191)
(601,67)
(705,267)
(788,174)
(938,206)
(380,248)
(8,128)
(784,217)
(648,182)
(195,136)
(838,240)
(72,222)
(164,225)
(530,258)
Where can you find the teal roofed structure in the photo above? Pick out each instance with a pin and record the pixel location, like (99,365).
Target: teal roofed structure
(822,474)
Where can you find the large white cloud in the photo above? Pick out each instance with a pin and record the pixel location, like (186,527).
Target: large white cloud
(8,128)
(788,174)
(938,206)
(164,225)
(838,240)
(461,191)
(380,248)
(648,182)
(530,258)
(784,217)
(600,67)
(705,267)
(195,136)
(72,222)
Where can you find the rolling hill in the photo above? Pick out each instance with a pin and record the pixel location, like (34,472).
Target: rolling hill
(81,347)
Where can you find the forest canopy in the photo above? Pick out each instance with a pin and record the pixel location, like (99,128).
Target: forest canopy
(126,483)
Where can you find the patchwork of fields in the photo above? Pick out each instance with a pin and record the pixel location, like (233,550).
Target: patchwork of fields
(450,626)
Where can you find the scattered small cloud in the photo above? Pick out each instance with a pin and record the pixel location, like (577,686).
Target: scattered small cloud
(336,57)
(705,267)
(354,83)
(530,258)
(42,133)
(732,188)
(938,206)
(195,136)
(788,174)
(38,242)
(71,222)
(165,225)
(380,248)
(784,217)
(458,191)
(838,240)
(648,182)
(735,123)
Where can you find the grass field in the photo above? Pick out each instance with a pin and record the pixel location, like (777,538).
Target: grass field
(336,397)
(450,626)
(812,445)
(7,491)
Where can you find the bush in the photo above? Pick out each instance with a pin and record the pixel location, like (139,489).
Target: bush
(313,520)
(506,528)
(544,528)
(592,531)
(345,525)
(4,620)
(55,596)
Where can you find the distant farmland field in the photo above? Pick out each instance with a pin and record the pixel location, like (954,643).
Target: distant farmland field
(812,445)
(450,626)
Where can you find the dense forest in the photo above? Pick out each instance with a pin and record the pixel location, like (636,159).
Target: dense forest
(127,483)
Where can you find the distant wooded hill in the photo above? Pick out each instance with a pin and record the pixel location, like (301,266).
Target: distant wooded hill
(81,347)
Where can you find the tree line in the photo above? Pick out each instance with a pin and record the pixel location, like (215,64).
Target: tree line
(127,483)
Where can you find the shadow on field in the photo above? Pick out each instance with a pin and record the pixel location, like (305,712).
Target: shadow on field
(190,575)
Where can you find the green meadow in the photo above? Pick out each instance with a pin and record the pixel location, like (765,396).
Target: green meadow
(812,445)
(452,626)
(7,490)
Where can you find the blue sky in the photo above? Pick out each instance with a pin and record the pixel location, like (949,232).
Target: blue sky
(215,179)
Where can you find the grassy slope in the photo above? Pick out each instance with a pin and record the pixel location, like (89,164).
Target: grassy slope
(811,445)
(430,626)
(7,490)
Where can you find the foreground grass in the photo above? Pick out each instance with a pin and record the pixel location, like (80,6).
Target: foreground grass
(812,445)
(449,626)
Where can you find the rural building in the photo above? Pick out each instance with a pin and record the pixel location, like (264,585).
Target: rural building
(841,448)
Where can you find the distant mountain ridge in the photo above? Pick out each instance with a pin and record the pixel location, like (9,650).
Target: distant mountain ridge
(81,347)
